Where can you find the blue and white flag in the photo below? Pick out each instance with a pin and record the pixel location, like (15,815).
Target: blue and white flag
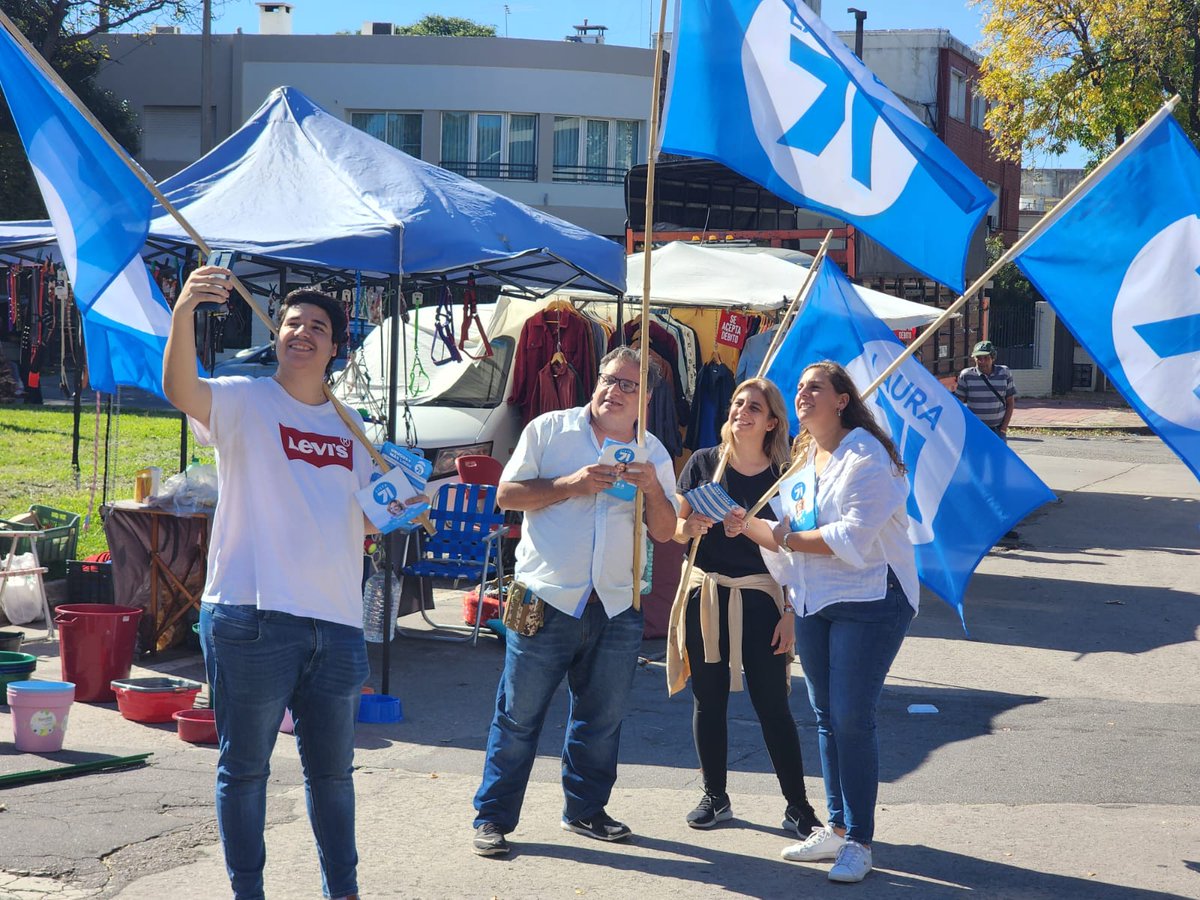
(765,87)
(101,214)
(966,487)
(1119,264)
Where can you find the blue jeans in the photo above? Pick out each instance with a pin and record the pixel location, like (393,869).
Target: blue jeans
(598,656)
(846,650)
(259,663)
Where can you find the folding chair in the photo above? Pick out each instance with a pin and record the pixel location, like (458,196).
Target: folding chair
(465,545)
(8,569)
(486,470)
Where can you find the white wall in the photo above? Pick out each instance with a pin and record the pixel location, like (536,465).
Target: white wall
(1039,382)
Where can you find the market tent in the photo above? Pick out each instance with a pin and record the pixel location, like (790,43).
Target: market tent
(297,184)
(695,275)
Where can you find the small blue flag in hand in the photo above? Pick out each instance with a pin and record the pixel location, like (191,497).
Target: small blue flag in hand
(966,488)
(764,87)
(101,214)
(1120,264)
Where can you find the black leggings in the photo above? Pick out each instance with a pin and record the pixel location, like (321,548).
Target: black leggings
(766,680)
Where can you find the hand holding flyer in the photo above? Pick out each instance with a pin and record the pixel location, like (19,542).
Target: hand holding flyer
(619,455)
(798,494)
(388,501)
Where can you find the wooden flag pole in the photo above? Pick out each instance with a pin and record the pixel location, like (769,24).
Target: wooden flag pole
(789,315)
(1008,256)
(639,502)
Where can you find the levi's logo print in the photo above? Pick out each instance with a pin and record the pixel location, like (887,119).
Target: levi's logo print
(316,449)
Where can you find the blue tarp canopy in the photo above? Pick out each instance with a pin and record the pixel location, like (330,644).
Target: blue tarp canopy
(297,184)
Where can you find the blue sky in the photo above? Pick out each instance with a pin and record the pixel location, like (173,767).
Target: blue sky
(630,22)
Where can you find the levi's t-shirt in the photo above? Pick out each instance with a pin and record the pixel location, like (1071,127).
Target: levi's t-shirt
(287,534)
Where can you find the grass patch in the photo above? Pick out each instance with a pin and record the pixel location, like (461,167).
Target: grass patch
(35,447)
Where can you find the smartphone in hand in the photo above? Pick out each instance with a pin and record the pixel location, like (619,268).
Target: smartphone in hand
(224,259)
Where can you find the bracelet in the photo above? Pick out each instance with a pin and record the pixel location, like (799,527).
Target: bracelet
(783,544)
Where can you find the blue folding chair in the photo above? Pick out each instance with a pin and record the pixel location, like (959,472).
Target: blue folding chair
(465,544)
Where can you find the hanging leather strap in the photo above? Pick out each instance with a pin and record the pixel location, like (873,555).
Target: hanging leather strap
(471,316)
(443,331)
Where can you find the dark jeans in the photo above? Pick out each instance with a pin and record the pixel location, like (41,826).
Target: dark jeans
(598,657)
(766,680)
(846,650)
(258,663)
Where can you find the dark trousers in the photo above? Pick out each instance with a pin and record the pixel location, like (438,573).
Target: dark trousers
(767,682)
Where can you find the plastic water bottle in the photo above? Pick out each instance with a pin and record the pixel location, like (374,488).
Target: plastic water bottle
(373,612)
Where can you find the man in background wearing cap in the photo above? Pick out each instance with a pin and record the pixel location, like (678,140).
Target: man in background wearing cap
(987,389)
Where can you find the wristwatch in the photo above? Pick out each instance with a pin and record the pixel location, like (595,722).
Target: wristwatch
(783,544)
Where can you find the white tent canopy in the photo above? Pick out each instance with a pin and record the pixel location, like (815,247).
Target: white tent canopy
(684,274)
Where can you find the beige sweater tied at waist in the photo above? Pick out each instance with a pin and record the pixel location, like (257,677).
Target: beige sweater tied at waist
(678,667)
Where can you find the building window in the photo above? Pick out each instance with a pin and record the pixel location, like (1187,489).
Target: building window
(594,150)
(978,110)
(958,95)
(490,145)
(401,130)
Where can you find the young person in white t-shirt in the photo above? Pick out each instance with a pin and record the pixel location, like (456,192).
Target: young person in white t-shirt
(281,617)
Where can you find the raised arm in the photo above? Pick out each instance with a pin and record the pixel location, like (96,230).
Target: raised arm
(182,384)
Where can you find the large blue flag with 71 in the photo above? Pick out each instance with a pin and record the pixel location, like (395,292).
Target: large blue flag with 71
(966,487)
(101,215)
(766,88)
(1119,264)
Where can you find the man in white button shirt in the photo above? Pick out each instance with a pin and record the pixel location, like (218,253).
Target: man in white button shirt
(576,554)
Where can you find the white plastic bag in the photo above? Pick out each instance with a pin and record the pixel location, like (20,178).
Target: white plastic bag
(193,490)
(22,597)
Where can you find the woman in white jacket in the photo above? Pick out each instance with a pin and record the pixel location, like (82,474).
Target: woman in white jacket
(854,587)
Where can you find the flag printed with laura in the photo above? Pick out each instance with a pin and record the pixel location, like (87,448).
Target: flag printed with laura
(765,87)
(101,215)
(1121,267)
(966,487)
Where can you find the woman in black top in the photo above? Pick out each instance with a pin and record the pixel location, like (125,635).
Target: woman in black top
(731,594)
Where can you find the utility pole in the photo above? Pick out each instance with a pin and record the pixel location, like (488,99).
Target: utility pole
(206,123)
(506,12)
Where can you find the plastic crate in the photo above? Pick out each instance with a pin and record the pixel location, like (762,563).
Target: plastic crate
(56,543)
(89,582)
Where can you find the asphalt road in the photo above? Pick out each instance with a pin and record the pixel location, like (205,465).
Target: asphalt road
(1061,762)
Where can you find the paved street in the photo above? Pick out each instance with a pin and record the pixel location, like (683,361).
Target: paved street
(1062,761)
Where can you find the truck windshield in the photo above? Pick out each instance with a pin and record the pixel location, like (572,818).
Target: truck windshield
(482,385)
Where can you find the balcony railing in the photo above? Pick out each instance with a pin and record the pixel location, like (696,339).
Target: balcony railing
(589,174)
(501,171)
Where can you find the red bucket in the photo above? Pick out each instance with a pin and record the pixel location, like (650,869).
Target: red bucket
(96,642)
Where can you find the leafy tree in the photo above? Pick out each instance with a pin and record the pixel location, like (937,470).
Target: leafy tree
(61,30)
(1009,284)
(1087,71)
(447,26)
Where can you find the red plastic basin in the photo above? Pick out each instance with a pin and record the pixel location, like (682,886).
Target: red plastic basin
(154,699)
(197,726)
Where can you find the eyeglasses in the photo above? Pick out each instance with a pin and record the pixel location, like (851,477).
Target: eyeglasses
(624,384)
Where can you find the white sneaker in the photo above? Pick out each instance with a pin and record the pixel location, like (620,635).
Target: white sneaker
(853,863)
(822,844)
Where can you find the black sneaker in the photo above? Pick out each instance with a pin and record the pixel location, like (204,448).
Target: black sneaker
(711,809)
(800,819)
(601,826)
(489,840)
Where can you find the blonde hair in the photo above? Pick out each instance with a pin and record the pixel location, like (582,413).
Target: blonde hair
(775,441)
(854,415)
